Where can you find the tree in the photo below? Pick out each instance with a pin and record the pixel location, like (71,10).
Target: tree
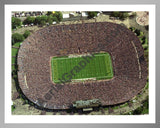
(92,14)
(137,31)
(44,18)
(16,22)
(115,14)
(16,37)
(49,20)
(146,41)
(134,14)
(55,19)
(49,13)
(13,107)
(41,20)
(52,18)
(29,20)
(132,29)
(37,20)
(124,15)
(42,23)
(147,27)
(58,15)
(26,34)
(121,15)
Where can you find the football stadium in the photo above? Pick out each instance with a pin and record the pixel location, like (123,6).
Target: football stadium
(81,65)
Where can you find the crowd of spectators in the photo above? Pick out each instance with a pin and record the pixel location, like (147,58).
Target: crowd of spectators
(34,60)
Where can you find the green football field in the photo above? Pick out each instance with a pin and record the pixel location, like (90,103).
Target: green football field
(97,66)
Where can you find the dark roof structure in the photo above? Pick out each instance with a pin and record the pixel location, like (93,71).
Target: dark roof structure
(34,70)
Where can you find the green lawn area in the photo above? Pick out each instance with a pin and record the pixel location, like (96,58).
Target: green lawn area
(14,51)
(13,67)
(17,44)
(98,67)
(13,60)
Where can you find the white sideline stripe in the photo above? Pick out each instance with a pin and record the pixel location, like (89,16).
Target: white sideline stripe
(77,56)
(140,75)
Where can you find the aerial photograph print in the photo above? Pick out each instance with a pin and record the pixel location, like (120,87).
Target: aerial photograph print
(80,62)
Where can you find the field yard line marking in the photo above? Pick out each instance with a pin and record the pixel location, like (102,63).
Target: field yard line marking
(110,63)
(140,75)
(25,80)
(50,64)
